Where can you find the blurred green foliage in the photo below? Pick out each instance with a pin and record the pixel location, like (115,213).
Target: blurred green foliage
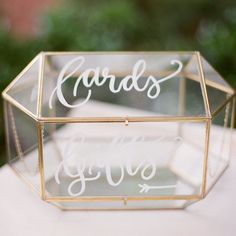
(207,26)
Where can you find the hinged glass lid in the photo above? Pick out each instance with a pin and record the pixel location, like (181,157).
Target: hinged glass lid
(143,84)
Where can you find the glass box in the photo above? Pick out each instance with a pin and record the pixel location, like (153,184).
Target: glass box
(119,130)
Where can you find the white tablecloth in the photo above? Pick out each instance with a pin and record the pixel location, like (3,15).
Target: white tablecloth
(24,213)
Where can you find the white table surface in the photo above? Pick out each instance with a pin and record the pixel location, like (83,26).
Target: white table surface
(24,213)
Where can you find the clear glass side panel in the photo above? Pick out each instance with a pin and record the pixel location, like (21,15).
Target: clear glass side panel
(22,145)
(140,84)
(212,76)
(219,145)
(25,90)
(112,159)
(218,90)
(216,97)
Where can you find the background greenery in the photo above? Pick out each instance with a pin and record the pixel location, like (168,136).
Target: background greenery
(207,26)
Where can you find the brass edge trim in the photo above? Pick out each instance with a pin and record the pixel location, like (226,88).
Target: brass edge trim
(203,85)
(40,85)
(19,106)
(120,119)
(20,74)
(128,208)
(51,53)
(205,164)
(40,159)
(219,109)
(117,198)
(122,209)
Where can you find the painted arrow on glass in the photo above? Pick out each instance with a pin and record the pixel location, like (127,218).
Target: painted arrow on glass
(145,188)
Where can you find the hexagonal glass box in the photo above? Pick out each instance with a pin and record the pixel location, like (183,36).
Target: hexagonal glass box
(119,130)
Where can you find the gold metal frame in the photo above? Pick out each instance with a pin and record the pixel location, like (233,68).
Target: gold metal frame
(41,121)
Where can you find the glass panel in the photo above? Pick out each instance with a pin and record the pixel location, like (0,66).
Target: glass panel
(219,147)
(212,76)
(140,84)
(112,159)
(23,145)
(25,90)
(216,98)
